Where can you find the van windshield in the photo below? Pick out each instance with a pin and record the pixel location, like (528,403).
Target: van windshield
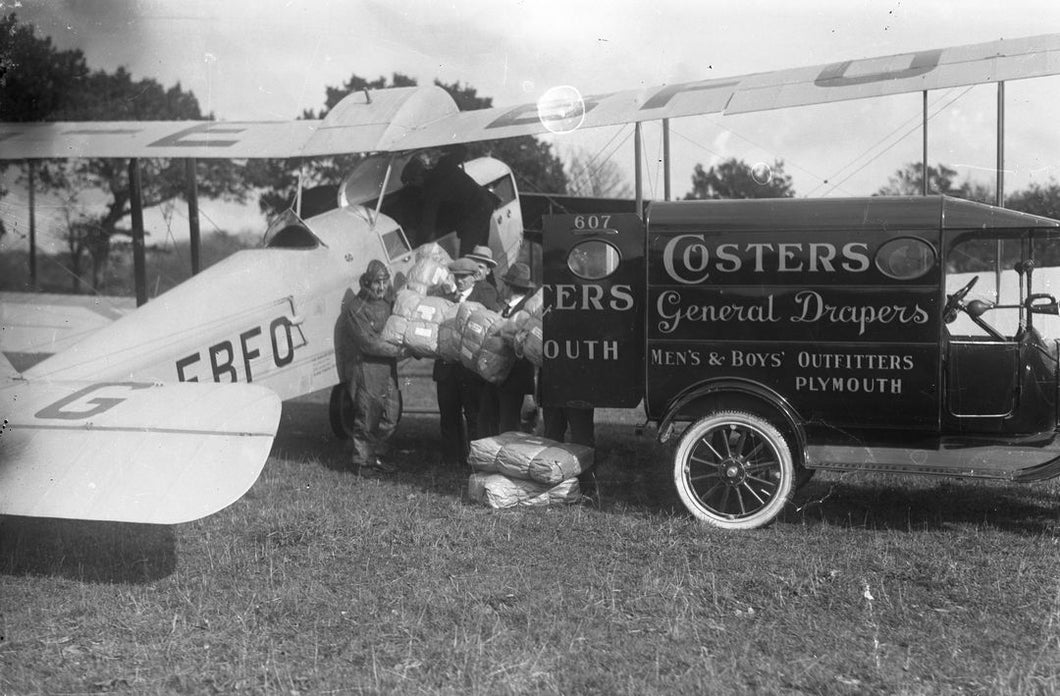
(1007,271)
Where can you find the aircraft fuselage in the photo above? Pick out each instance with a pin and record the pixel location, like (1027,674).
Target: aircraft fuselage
(264,315)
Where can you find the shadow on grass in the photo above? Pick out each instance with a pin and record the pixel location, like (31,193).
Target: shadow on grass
(305,433)
(106,552)
(634,473)
(915,504)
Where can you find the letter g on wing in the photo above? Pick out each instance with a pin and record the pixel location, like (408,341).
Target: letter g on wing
(58,410)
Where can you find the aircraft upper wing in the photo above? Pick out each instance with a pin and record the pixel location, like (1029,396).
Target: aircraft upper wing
(362,122)
(129,451)
(418,117)
(854,79)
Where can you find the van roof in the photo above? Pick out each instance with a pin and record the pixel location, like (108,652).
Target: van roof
(869,213)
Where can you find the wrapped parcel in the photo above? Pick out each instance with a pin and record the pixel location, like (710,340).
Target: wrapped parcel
(524,456)
(430,274)
(415,322)
(500,491)
(528,335)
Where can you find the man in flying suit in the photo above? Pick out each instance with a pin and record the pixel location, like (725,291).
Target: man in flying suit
(370,364)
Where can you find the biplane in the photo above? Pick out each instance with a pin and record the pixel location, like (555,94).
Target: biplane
(168,413)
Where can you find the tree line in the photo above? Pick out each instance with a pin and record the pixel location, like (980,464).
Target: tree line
(39,82)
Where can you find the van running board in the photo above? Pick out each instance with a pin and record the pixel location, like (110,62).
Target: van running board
(1007,462)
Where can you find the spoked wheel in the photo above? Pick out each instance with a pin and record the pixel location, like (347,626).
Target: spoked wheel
(734,470)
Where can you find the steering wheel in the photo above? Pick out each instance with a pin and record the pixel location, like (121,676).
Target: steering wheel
(949,312)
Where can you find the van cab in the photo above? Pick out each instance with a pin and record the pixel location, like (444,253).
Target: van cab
(777,337)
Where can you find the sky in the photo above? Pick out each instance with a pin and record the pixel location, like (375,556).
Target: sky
(271,59)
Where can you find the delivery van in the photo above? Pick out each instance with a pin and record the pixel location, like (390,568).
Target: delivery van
(777,337)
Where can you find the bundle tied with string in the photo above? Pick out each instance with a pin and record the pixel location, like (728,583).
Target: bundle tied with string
(524,456)
(415,322)
(528,336)
(500,491)
(483,349)
(430,274)
(516,468)
(450,332)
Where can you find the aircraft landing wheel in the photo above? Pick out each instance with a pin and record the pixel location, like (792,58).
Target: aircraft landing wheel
(734,470)
(340,411)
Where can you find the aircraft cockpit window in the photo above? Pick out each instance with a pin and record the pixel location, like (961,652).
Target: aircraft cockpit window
(503,188)
(593,260)
(287,231)
(395,243)
(363,185)
(293,237)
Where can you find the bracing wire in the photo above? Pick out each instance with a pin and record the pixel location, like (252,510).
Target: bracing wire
(902,131)
(911,126)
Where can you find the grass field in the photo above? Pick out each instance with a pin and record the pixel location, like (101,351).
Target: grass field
(321,582)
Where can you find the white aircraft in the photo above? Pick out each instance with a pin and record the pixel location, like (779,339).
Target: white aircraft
(89,433)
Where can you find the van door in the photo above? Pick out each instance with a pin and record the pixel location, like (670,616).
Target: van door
(593,325)
(983,352)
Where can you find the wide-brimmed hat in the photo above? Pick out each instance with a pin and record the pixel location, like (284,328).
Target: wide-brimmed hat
(518,276)
(482,254)
(464,266)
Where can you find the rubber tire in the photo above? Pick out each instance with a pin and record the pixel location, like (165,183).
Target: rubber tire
(340,411)
(742,501)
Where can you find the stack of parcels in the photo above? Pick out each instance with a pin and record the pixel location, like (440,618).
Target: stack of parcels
(431,326)
(528,333)
(483,348)
(475,338)
(520,469)
(430,274)
(420,306)
(415,322)
(467,333)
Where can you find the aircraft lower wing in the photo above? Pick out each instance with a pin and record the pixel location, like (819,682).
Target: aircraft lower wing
(131,451)
(409,118)
(34,325)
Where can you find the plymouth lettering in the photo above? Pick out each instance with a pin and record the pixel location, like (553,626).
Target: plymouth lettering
(849,385)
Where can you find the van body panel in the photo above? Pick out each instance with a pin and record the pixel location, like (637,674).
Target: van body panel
(848,323)
(593,340)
